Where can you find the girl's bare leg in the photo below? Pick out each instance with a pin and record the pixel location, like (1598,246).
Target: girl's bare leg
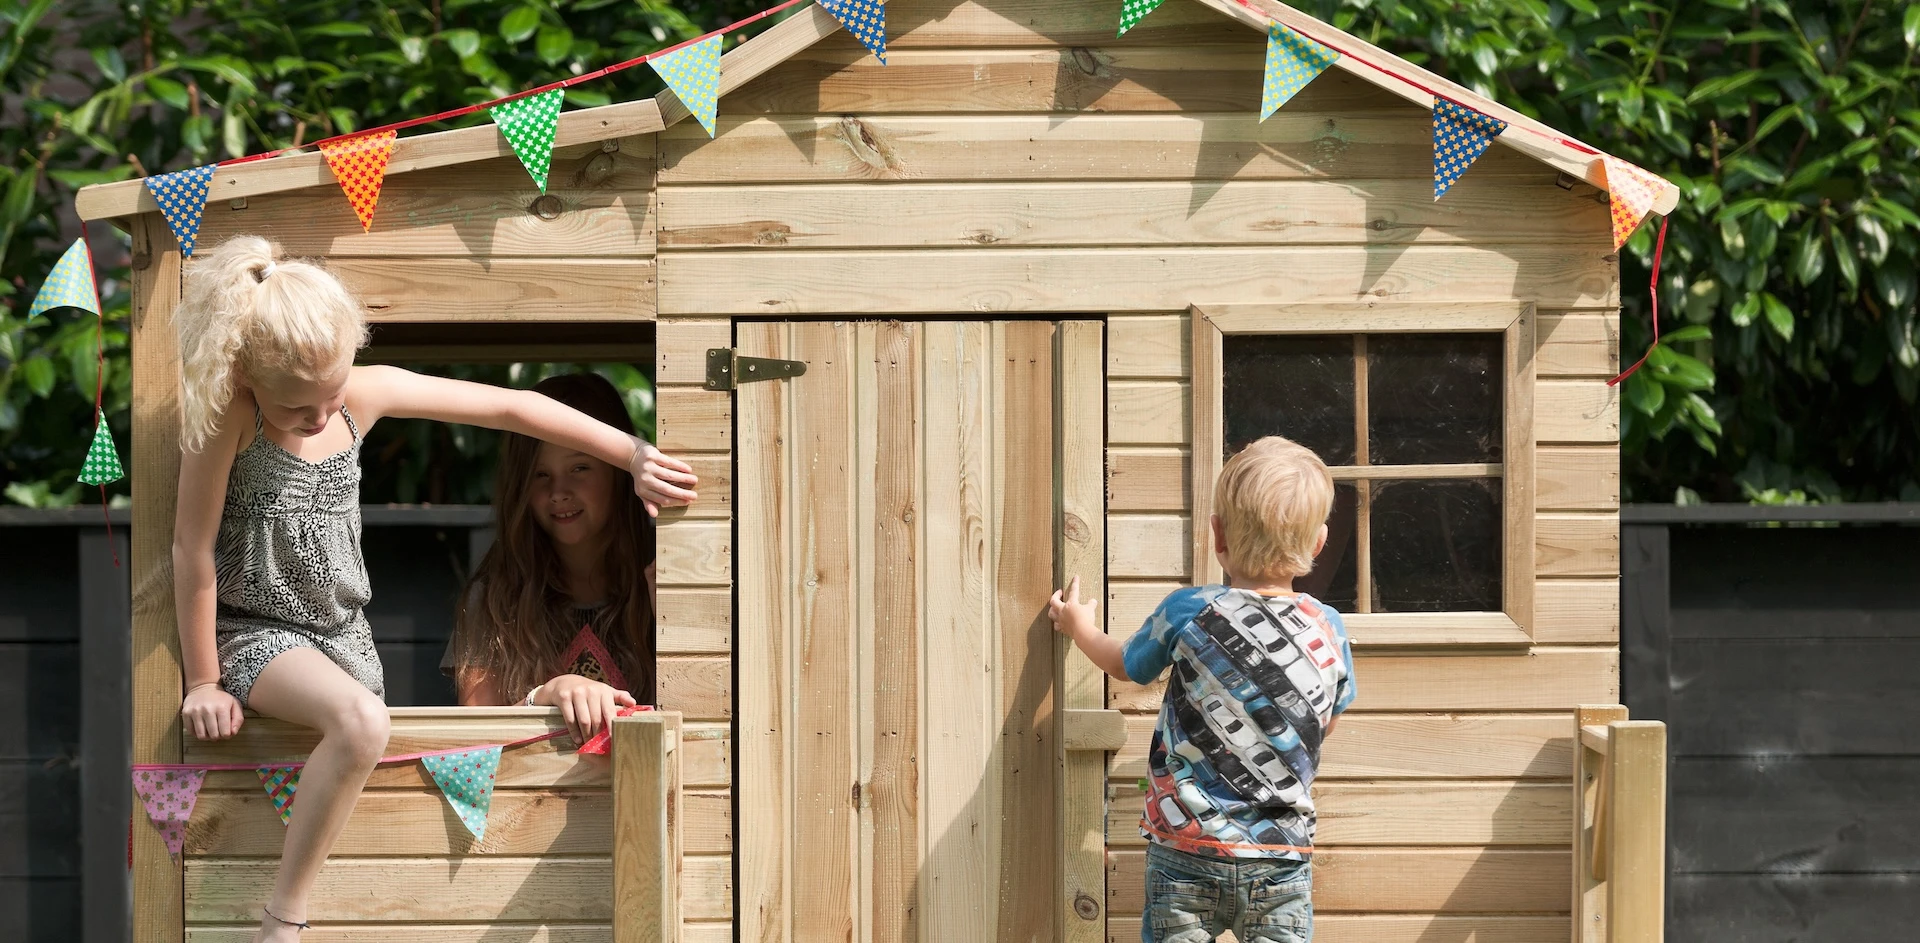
(304,687)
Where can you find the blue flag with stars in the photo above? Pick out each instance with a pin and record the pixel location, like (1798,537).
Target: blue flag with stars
(865,19)
(1293,60)
(693,73)
(1460,136)
(182,196)
(69,285)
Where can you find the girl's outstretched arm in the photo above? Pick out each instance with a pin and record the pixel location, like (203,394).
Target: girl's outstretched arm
(207,710)
(380,391)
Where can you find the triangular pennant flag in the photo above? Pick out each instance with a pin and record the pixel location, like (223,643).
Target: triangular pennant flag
(182,196)
(693,72)
(102,465)
(467,778)
(528,124)
(70,284)
(281,782)
(1132,11)
(168,795)
(602,742)
(1631,192)
(1460,136)
(1293,60)
(360,164)
(865,19)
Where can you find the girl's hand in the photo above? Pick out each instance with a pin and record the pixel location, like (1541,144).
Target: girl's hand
(210,712)
(1072,617)
(659,479)
(585,704)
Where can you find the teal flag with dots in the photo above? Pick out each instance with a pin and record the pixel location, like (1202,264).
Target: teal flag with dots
(693,73)
(69,285)
(865,19)
(182,196)
(1293,60)
(1460,136)
(466,779)
(529,124)
(102,465)
(1133,11)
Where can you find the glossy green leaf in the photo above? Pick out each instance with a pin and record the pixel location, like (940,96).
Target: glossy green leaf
(463,42)
(553,43)
(519,23)
(1778,317)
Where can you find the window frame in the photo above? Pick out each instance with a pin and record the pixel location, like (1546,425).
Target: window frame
(1512,624)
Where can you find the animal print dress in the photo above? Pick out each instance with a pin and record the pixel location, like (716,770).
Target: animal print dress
(288,566)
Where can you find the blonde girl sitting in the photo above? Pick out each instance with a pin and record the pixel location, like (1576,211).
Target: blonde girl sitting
(560,611)
(268,575)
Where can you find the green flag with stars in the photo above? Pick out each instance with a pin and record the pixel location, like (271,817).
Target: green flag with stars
(529,124)
(103,462)
(1133,11)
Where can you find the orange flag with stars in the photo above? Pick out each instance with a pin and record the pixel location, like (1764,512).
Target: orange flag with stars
(1631,191)
(360,164)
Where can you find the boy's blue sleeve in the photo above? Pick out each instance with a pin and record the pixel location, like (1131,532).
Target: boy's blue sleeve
(1343,693)
(1150,650)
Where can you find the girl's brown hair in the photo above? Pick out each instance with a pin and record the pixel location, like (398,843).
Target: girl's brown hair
(516,618)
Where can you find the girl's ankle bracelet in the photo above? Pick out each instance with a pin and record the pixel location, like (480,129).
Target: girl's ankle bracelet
(301,924)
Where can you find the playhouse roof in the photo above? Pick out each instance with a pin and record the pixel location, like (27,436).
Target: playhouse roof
(752,58)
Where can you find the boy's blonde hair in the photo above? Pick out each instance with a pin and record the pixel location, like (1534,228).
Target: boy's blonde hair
(247,310)
(1271,499)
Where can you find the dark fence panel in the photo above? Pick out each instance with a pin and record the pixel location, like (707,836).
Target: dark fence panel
(1785,658)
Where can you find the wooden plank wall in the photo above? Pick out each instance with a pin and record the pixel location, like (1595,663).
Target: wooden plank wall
(1013,157)
(406,866)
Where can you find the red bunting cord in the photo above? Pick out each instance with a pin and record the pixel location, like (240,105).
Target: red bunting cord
(1576,145)
(404,757)
(1653,295)
(563,83)
(99,378)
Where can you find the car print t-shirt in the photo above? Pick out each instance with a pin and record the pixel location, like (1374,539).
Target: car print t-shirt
(1255,682)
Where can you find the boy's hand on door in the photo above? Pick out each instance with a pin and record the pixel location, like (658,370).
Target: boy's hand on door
(1072,616)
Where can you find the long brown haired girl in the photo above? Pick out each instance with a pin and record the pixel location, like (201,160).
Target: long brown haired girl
(560,611)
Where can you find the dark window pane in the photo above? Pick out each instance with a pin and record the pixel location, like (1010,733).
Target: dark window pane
(1433,398)
(1335,579)
(1436,545)
(1296,386)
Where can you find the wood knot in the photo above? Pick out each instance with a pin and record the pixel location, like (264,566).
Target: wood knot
(1074,529)
(142,260)
(545,206)
(596,171)
(1084,60)
(1085,907)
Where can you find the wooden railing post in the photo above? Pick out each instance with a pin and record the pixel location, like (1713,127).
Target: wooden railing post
(1637,830)
(646,828)
(1619,827)
(1589,766)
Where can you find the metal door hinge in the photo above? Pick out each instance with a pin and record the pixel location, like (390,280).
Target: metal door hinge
(726,369)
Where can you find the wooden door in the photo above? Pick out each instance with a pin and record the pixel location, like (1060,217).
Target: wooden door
(901,773)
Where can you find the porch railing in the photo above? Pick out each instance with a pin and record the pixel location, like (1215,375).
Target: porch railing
(1619,827)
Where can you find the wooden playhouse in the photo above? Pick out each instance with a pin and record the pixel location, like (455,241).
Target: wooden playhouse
(1040,279)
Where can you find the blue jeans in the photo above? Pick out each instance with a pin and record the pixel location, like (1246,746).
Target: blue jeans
(1193,898)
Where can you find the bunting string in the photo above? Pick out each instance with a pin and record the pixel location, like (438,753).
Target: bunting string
(569,82)
(400,758)
(1653,298)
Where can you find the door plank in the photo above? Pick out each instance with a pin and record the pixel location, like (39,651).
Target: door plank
(761,659)
(890,795)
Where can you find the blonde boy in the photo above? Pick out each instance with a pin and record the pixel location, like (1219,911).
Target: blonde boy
(1260,672)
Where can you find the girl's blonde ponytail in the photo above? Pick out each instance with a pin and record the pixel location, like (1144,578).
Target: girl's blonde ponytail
(249,314)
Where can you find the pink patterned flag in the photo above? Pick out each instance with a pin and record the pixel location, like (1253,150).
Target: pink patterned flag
(1631,192)
(280,782)
(168,795)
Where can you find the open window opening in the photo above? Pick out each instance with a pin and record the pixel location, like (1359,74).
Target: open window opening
(429,488)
